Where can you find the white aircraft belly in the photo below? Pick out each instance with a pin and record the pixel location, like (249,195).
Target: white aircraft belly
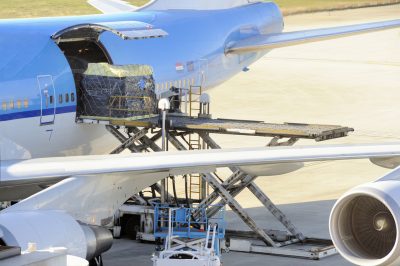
(26,139)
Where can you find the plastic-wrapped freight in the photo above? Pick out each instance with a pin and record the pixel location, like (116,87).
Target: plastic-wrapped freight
(118,91)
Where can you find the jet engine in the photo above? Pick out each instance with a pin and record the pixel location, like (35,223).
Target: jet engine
(364,223)
(51,229)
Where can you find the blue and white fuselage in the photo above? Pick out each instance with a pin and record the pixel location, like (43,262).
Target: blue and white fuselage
(38,93)
(198,42)
(203,46)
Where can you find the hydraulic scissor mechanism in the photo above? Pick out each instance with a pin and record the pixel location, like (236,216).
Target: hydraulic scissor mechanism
(189,126)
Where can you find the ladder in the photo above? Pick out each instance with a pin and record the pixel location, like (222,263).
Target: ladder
(195,142)
(195,180)
(194,100)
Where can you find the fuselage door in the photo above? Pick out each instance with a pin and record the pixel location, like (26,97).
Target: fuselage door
(48,101)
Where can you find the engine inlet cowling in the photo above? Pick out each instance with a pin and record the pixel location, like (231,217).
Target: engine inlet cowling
(364,224)
(98,239)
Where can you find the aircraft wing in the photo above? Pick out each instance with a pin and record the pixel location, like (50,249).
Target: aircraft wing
(272,41)
(112,6)
(93,187)
(185,162)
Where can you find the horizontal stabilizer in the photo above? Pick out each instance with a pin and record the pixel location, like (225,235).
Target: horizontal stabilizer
(272,41)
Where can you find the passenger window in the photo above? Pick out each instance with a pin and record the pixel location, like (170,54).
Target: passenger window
(11,105)
(51,99)
(66,97)
(19,104)
(4,106)
(72,97)
(60,98)
(26,103)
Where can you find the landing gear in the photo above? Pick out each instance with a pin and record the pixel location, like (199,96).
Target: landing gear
(97,261)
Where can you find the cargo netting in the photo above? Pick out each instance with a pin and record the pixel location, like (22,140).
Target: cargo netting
(126,91)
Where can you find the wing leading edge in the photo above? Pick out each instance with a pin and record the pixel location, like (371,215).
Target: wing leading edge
(188,161)
(95,186)
(273,41)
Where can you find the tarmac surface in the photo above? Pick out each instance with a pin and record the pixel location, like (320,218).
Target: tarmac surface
(353,81)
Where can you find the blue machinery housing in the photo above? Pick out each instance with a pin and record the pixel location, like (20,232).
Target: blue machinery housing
(185,225)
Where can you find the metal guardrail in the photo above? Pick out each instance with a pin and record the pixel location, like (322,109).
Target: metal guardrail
(184,224)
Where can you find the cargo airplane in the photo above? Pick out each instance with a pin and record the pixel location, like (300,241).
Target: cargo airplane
(197,42)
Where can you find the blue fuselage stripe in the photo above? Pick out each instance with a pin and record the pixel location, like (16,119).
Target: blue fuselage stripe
(37,113)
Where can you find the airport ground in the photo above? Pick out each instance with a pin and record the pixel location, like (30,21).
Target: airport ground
(353,81)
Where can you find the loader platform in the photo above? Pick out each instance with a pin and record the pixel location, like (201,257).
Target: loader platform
(230,126)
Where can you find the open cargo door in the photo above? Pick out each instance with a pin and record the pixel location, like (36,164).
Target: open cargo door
(104,89)
(127,30)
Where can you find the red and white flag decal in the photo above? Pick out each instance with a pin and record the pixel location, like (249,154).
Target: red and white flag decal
(179,67)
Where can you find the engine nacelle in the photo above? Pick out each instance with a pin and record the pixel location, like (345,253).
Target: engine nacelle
(53,229)
(364,223)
